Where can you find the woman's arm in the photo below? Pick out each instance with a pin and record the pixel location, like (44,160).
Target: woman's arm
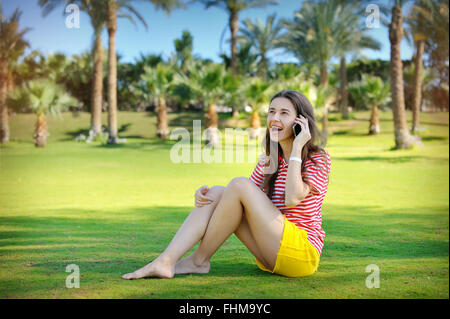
(296,190)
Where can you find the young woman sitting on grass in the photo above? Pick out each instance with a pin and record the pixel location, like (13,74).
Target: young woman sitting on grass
(276,214)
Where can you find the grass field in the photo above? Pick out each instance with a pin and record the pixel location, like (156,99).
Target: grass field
(112,209)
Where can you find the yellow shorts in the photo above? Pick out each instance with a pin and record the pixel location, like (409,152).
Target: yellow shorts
(296,257)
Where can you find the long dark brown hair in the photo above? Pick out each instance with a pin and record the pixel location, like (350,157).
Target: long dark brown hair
(303,107)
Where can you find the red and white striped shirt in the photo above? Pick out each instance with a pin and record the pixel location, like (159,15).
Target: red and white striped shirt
(307,214)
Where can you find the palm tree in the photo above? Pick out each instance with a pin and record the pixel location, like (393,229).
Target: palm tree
(428,78)
(248,60)
(12,46)
(233,8)
(205,82)
(402,137)
(115,9)
(257,96)
(322,98)
(353,39)
(41,96)
(97,14)
(183,49)
(234,91)
(315,35)
(424,17)
(248,66)
(309,35)
(158,82)
(290,77)
(371,91)
(263,37)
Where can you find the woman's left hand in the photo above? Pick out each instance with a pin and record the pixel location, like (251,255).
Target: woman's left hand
(305,135)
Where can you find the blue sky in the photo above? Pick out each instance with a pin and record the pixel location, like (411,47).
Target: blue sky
(50,34)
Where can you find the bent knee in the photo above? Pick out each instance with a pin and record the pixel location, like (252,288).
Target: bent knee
(240,182)
(216,192)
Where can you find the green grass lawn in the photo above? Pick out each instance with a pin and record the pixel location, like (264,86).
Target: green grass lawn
(112,209)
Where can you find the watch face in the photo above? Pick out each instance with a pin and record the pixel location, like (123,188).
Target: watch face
(297,129)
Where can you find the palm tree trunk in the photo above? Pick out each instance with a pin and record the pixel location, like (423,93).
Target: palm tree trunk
(212,124)
(4,121)
(40,131)
(402,137)
(417,87)
(234,27)
(324,134)
(162,129)
(97,92)
(255,125)
(324,82)
(323,74)
(374,126)
(112,73)
(263,66)
(344,88)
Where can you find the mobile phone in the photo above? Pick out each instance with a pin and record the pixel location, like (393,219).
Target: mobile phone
(297,129)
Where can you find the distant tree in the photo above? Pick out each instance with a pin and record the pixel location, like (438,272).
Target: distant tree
(115,9)
(81,82)
(248,65)
(257,93)
(248,60)
(205,82)
(322,99)
(234,92)
(97,14)
(233,8)
(263,39)
(353,39)
(437,46)
(317,32)
(428,78)
(377,67)
(286,71)
(41,97)
(372,92)
(183,49)
(425,19)
(159,81)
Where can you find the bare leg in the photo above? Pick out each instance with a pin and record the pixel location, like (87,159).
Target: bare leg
(246,237)
(190,232)
(265,222)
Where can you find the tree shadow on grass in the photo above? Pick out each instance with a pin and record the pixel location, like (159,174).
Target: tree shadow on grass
(151,229)
(349,133)
(434,123)
(151,144)
(393,160)
(106,244)
(434,138)
(85,131)
(364,231)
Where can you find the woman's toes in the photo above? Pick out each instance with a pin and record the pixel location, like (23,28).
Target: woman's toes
(130,275)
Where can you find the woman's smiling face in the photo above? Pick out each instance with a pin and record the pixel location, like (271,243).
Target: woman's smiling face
(280,119)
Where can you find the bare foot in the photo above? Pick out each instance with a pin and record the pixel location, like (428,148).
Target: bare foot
(187,266)
(156,269)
